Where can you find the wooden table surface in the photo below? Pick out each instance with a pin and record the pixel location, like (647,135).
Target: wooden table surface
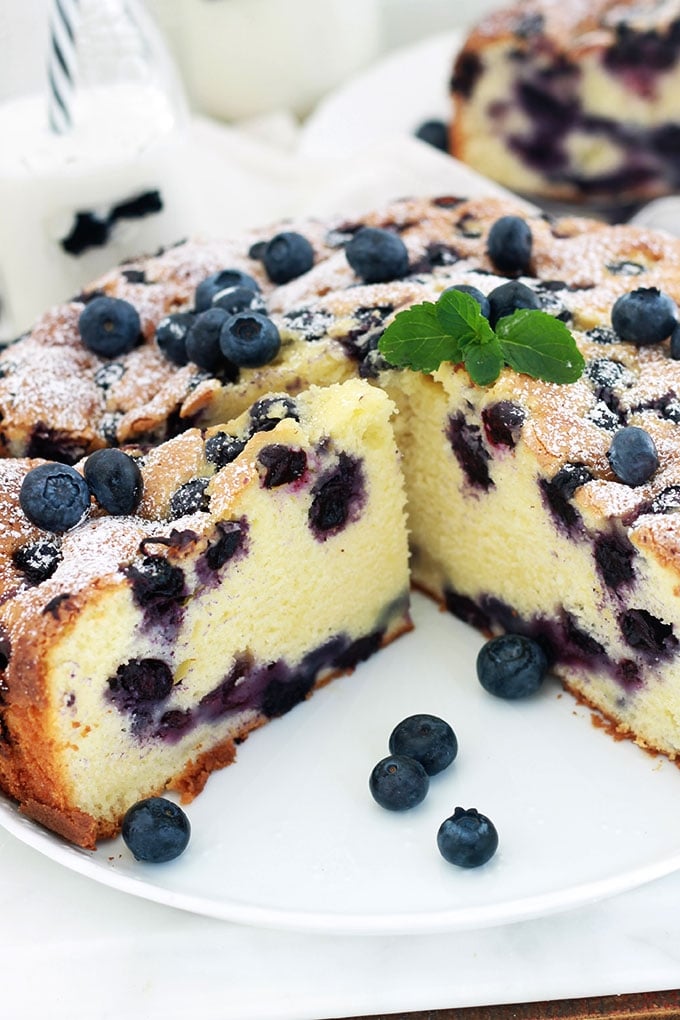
(645,1006)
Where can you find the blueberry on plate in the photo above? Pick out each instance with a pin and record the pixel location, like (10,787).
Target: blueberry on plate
(398,783)
(377,255)
(644,316)
(222,280)
(468,838)
(156,830)
(434,132)
(511,666)
(203,339)
(114,480)
(109,326)
(54,497)
(428,739)
(510,297)
(509,244)
(287,256)
(481,299)
(249,340)
(633,456)
(171,336)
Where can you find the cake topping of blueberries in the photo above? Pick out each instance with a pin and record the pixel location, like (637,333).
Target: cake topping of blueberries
(109,374)
(190,498)
(249,340)
(37,560)
(171,336)
(675,342)
(54,497)
(644,316)
(239,299)
(203,339)
(509,244)
(377,255)
(475,293)
(510,297)
(222,448)
(109,326)
(214,284)
(286,256)
(633,455)
(114,480)
(156,830)
(281,464)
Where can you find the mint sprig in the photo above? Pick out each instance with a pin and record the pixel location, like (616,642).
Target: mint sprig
(454,329)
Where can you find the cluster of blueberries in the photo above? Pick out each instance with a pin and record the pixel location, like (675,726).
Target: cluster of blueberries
(510,666)
(55,497)
(643,317)
(228,327)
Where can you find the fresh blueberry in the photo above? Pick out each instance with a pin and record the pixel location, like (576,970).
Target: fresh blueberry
(509,244)
(239,299)
(115,481)
(510,297)
(37,560)
(222,449)
(156,830)
(632,455)
(644,316)
(249,340)
(209,288)
(287,256)
(398,783)
(190,498)
(675,342)
(435,133)
(54,497)
(109,326)
(511,666)
(377,255)
(203,339)
(480,298)
(428,739)
(171,336)
(468,838)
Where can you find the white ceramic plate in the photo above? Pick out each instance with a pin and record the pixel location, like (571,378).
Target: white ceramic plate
(289,837)
(393,96)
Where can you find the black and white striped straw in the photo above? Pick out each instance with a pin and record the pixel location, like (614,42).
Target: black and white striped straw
(61,63)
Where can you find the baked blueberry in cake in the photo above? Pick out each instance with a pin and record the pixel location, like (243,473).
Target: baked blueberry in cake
(141,643)
(573,101)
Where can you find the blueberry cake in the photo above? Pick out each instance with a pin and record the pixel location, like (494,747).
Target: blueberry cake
(573,101)
(540,508)
(143,643)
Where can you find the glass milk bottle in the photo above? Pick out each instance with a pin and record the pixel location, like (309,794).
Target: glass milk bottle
(243,58)
(90,158)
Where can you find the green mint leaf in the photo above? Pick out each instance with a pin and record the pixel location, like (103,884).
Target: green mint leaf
(416,339)
(461,316)
(484,361)
(539,345)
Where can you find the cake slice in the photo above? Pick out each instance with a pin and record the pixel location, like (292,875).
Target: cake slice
(138,651)
(572,101)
